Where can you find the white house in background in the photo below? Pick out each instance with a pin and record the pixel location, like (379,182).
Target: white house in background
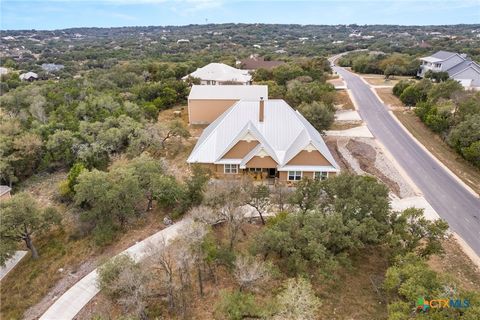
(207,103)
(458,66)
(219,73)
(29,76)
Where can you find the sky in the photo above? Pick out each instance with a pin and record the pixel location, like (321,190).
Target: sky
(60,14)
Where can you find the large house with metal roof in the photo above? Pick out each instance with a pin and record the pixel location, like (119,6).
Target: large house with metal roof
(458,66)
(220,73)
(266,139)
(207,103)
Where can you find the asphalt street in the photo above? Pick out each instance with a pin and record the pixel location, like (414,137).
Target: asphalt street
(454,203)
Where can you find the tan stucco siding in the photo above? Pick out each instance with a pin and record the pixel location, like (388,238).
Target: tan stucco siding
(312,158)
(283,176)
(206,111)
(259,162)
(240,150)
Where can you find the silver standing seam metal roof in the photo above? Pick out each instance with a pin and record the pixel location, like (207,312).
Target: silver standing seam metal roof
(282,135)
(221,72)
(228,92)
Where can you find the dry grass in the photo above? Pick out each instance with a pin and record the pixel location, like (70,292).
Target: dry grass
(389,98)
(32,280)
(448,156)
(342,100)
(344,125)
(354,294)
(379,80)
(456,264)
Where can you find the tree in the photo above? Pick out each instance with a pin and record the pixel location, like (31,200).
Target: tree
(148,172)
(194,187)
(306,195)
(412,232)
(237,305)
(401,86)
(297,301)
(125,282)
(250,272)
(22,218)
(109,200)
(320,115)
(227,199)
(259,198)
(411,95)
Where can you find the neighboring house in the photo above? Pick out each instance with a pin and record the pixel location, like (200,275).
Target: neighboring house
(29,76)
(265,139)
(52,67)
(207,103)
(219,73)
(4,192)
(254,62)
(458,66)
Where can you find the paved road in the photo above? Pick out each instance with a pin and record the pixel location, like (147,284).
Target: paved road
(449,198)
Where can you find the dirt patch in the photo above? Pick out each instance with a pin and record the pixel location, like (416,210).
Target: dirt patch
(366,156)
(457,264)
(389,99)
(345,125)
(342,100)
(337,155)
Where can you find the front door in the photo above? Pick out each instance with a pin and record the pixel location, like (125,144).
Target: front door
(272,172)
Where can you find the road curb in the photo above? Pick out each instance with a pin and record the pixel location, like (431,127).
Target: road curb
(450,172)
(387,153)
(467,249)
(453,175)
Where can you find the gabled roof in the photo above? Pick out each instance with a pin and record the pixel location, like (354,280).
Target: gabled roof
(220,72)
(28,75)
(443,55)
(462,66)
(282,135)
(229,92)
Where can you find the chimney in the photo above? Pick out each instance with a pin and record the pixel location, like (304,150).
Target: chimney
(261,112)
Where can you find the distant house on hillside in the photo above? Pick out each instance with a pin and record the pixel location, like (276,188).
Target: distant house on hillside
(219,73)
(52,67)
(267,140)
(4,192)
(255,62)
(458,66)
(207,103)
(29,76)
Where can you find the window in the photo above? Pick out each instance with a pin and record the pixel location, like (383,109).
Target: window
(255,169)
(320,175)
(294,175)
(230,168)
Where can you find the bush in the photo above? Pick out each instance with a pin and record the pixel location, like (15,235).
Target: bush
(237,305)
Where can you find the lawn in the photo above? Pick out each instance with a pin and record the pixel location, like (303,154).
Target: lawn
(439,148)
(389,98)
(379,80)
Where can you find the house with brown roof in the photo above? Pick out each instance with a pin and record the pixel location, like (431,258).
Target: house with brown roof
(265,139)
(255,62)
(208,102)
